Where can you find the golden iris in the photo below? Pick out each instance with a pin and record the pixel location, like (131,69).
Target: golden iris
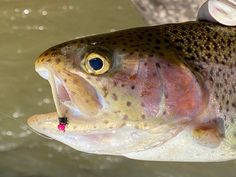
(95,63)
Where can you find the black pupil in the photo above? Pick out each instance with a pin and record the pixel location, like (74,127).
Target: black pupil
(96,63)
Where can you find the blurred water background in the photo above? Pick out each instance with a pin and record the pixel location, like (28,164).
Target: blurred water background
(29,27)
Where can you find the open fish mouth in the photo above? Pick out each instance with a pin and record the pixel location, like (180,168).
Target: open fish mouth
(79,99)
(62,97)
(59,92)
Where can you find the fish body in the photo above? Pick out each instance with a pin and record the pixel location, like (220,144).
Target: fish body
(162,93)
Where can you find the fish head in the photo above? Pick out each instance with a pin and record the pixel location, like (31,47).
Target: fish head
(101,89)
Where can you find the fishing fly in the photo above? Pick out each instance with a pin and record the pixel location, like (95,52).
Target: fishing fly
(63,121)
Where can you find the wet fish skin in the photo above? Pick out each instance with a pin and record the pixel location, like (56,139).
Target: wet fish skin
(181,76)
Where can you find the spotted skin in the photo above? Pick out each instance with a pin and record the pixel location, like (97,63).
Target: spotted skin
(164,82)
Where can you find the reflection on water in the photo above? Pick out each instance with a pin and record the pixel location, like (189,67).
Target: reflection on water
(27,29)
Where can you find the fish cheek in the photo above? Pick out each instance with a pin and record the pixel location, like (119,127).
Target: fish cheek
(184,95)
(141,87)
(149,86)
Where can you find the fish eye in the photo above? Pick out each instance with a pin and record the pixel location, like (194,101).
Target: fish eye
(95,63)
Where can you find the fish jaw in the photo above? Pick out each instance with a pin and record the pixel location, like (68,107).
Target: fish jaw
(122,140)
(78,139)
(182,146)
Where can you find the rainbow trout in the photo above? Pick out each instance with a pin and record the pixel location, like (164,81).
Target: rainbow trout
(161,93)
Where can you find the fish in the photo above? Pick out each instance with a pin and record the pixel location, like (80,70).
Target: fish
(155,93)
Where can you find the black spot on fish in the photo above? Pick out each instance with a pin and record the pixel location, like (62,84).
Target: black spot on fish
(158,41)
(157,47)
(208,47)
(149,39)
(179,40)
(167,46)
(125,117)
(81,41)
(166,41)
(220,107)
(183,33)
(151,55)
(183,28)
(149,34)
(42,59)
(179,48)
(158,65)
(114,97)
(46,54)
(140,37)
(128,103)
(58,60)
(105,91)
(175,31)
(161,54)
(54,49)
(189,41)
(105,121)
(234,105)
(115,83)
(49,60)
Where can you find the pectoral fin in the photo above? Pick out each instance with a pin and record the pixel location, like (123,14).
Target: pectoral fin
(210,134)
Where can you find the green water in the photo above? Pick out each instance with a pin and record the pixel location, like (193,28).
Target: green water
(29,27)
